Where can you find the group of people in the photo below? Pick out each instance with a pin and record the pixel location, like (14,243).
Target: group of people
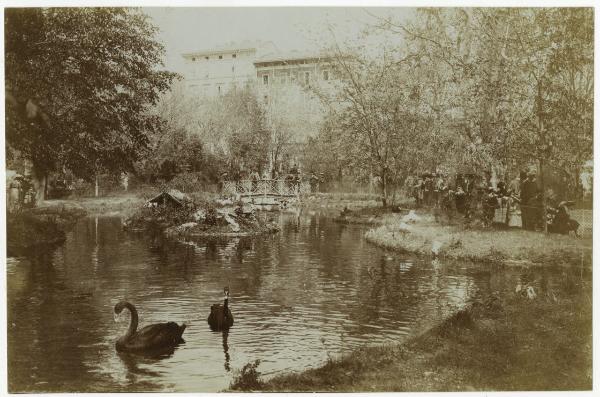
(428,188)
(518,204)
(292,177)
(437,190)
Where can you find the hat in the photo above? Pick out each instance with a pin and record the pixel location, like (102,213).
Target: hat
(566,203)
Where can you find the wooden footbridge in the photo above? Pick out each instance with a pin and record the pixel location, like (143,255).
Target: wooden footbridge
(266,190)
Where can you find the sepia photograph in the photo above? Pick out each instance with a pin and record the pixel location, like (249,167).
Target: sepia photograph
(361,198)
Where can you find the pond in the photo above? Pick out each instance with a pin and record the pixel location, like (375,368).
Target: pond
(313,291)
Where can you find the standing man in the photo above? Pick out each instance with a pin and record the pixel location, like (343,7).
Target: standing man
(439,190)
(418,191)
(529,202)
(514,187)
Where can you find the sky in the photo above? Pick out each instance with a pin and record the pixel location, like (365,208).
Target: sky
(290,28)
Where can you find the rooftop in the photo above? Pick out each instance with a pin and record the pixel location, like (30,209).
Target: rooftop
(289,56)
(259,46)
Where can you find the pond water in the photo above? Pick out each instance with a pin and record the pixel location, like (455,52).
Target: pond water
(313,291)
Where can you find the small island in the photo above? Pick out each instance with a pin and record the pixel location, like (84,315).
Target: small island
(181,216)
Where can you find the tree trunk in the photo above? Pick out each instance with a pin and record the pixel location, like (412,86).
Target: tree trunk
(578,186)
(38,176)
(384,187)
(543,187)
(544,149)
(39,183)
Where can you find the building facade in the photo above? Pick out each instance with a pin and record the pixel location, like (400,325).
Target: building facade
(293,68)
(214,71)
(285,83)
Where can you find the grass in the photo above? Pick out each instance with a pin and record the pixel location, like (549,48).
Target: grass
(121,204)
(124,204)
(340,196)
(503,342)
(488,245)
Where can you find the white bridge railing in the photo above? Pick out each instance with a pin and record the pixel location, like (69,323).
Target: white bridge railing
(266,187)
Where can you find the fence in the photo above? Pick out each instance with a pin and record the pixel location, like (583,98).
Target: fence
(266,187)
(585,219)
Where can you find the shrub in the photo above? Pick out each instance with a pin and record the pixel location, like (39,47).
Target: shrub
(210,214)
(248,378)
(162,216)
(239,208)
(189,182)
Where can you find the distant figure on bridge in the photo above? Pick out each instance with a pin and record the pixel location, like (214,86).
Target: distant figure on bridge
(314,182)
(293,177)
(254,177)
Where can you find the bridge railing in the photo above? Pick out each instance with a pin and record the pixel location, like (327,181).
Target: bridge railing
(266,187)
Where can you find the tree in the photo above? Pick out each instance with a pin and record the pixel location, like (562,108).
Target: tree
(519,81)
(380,115)
(245,130)
(293,115)
(80,83)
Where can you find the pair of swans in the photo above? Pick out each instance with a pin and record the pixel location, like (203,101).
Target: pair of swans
(157,337)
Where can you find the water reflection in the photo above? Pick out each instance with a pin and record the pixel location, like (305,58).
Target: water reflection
(226,351)
(314,290)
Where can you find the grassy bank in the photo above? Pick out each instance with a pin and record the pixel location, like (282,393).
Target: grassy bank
(503,342)
(127,203)
(483,245)
(34,228)
(339,201)
(114,205)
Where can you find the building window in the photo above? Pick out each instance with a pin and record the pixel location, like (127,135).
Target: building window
(207,58)
(234,56)
(306,77)
(220,56)
(325,74)
(266,79)
(219,89)
(193,59)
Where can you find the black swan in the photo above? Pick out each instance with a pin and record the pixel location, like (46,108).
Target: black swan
(220,317)
(151,337)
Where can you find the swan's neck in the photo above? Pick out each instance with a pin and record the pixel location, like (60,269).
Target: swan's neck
(133,323)
(226,303)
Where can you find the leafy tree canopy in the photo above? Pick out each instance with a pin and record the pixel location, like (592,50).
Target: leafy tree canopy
(80,83)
